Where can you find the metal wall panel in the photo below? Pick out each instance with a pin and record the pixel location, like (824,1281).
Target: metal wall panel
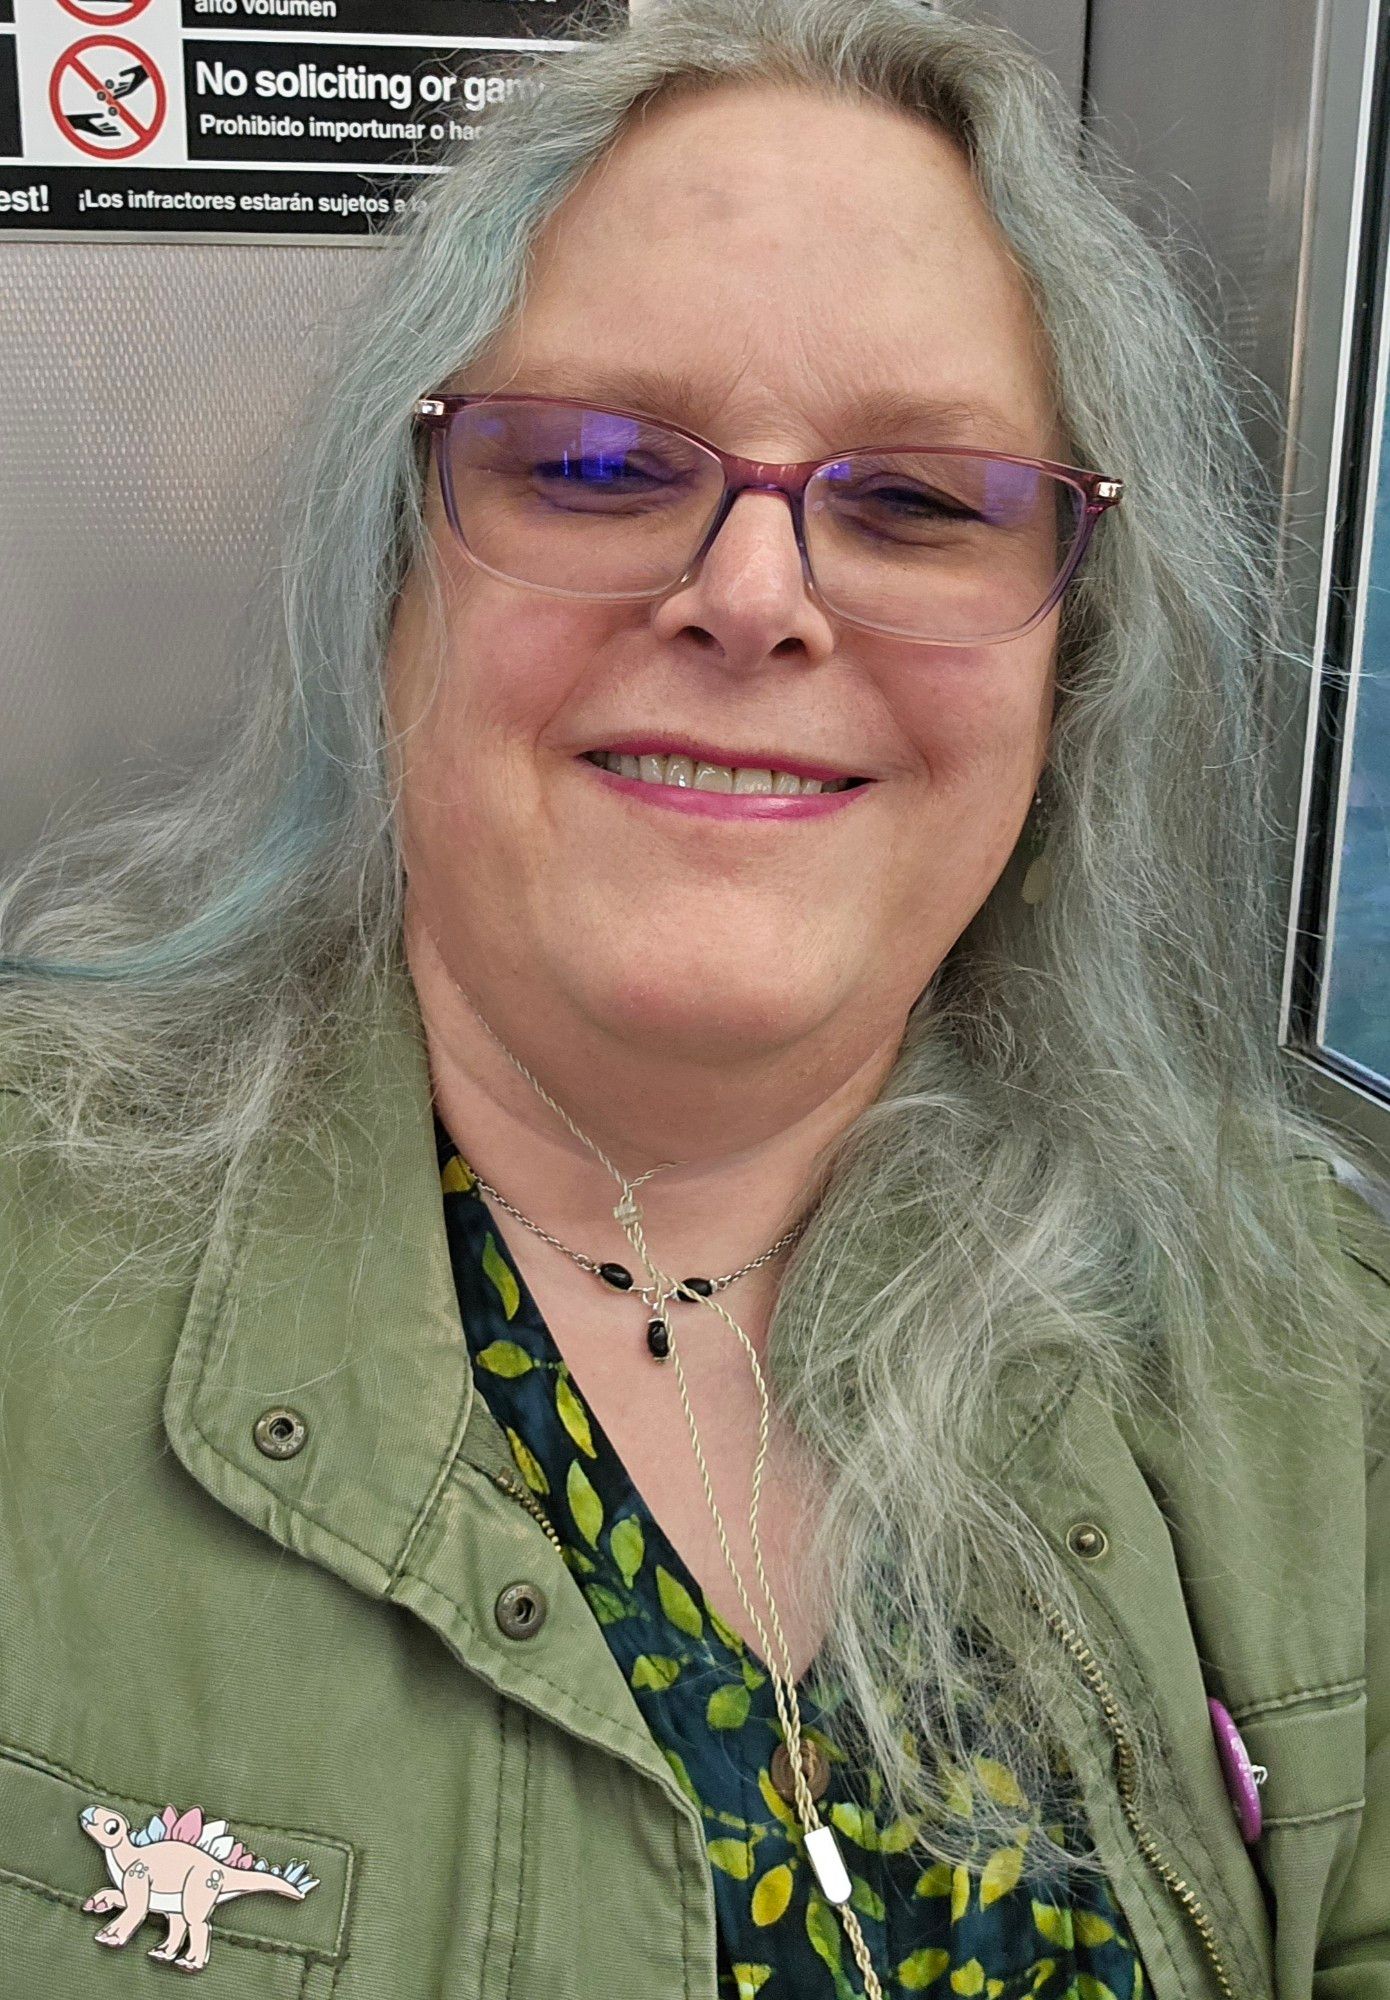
(1211,107)
(1052,29)
(144,393)
(1246,124)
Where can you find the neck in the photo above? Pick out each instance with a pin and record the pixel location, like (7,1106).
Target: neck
(738,1145)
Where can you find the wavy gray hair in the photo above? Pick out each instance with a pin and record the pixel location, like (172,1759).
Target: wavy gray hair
(1082,1154)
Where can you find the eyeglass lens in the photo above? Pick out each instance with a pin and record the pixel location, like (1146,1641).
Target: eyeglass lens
(956,549)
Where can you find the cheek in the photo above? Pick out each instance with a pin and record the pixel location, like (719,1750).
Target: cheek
(978,719)
(482,698)
(979,725)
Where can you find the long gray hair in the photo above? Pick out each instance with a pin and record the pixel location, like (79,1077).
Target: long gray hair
(1082,1155)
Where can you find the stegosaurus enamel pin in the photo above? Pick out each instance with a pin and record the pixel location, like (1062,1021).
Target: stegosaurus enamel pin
(184,1868)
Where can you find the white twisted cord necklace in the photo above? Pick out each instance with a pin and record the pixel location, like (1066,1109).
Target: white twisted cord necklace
(822,1849)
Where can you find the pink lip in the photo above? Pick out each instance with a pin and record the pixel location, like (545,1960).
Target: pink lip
(727,805)
(701,753)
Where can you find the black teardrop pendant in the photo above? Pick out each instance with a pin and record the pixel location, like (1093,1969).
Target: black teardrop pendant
(690,1286)
(616,1275)
(658,1339)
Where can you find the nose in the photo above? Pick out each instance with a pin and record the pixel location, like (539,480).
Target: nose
(763,514)
(748,593)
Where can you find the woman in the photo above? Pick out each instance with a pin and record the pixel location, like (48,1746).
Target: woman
(610,1045)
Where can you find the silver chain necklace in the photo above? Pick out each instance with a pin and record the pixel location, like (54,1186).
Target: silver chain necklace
(620,1279)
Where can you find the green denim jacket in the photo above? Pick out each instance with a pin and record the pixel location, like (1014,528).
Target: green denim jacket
(263,1550)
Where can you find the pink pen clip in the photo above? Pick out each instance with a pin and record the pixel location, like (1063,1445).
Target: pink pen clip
(1243,1778)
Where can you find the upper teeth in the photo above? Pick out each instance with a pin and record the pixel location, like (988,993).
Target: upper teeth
(711,777)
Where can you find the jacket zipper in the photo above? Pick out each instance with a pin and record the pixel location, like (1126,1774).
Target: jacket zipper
(1124,1749)
(1124,1752)
(529,1503)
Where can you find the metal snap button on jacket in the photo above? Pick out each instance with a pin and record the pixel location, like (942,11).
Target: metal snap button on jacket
(521,1610)
(813,1762)
(279,1432)
(1086,1539)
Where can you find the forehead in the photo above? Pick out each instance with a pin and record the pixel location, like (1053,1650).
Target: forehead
(785,269)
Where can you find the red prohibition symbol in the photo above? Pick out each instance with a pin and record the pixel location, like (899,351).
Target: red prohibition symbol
(104,13)
(107,97)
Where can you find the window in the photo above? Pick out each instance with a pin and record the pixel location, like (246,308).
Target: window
(1339,988)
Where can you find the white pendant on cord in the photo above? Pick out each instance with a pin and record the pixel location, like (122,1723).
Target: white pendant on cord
(831,1873)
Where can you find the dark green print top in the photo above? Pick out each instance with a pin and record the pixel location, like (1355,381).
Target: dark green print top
(708,1700)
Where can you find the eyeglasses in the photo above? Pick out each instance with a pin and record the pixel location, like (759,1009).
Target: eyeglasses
(945,546)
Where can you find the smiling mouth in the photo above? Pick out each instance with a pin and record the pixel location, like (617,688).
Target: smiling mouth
(692,774)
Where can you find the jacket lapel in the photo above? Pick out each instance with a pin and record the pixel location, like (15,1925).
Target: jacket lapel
(338,1302)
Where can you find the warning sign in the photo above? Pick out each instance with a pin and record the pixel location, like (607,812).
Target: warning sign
(107,97)
(105,13)
(293,119)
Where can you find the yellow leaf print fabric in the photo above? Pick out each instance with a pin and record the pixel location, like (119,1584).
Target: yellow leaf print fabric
(708,1700)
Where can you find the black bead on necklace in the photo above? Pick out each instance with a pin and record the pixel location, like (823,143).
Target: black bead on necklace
(658,1338)
(620,1279)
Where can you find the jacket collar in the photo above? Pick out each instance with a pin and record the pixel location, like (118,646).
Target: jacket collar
(330,1291)
(338,1302)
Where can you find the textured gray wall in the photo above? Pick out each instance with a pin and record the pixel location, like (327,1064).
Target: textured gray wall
(143,394)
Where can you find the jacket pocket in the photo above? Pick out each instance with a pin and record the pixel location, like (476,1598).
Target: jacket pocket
(262,1944)
(1313,1746)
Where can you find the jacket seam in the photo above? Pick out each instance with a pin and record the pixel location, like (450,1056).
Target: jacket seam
(521,1883)
(1316,1819)
(1156,1898)
(308,1974)
(82,1782)
(1064,1390)
(685,1905)
(1302,1697)
(1187,1827)
(502,1727)
(434,1497)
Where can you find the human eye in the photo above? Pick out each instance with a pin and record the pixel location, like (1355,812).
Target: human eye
(627,477)
(600,472)
(914,499)
(901,504)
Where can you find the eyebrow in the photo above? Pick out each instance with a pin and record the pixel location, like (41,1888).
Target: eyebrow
(884,416)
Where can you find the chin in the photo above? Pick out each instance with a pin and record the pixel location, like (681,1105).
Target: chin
(695,1006)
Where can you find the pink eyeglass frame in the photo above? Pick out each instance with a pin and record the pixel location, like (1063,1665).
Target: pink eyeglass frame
(435,414)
